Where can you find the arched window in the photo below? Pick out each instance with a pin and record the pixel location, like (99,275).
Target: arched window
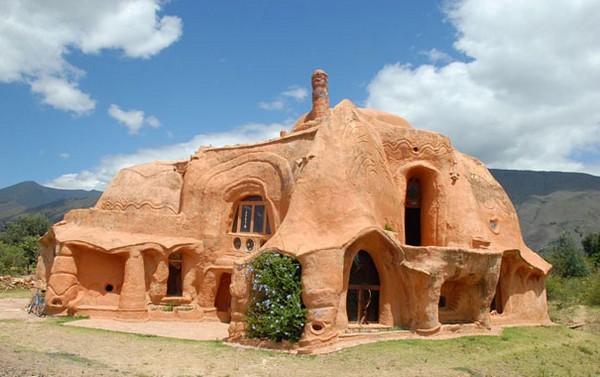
(412,215)
(175,281)
(413,193)
(362,299)
(251,216)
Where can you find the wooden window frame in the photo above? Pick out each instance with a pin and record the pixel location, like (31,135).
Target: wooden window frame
(237,220)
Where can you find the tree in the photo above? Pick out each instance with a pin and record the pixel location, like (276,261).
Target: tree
(567,259)
(591,247)
(22,234)
(32,225)
(12,260)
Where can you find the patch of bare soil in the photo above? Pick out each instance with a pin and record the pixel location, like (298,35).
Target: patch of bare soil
(178,330)
(14,308)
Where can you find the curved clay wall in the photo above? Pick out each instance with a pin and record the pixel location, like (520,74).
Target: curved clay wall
(162,241)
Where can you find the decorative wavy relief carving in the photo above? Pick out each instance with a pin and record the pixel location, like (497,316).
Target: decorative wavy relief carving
(155,186)
(396,150)
(110,205)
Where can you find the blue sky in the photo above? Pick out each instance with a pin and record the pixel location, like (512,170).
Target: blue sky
(89,87)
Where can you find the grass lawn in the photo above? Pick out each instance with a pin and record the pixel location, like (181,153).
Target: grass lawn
(46,347)
(15,293)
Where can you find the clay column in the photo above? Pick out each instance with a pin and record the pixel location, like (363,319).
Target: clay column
(63,283)
(320,96)
(320,102)
(132,302)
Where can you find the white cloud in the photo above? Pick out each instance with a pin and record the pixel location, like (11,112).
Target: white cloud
(36,37)
(529,97)
(299,94)
(62,94)
(64,155)
(434,55)
(97,178)
(132,119)
(273,105)
(152,121)
(281,101)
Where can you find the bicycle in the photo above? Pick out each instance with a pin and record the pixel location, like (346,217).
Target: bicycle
(38,303)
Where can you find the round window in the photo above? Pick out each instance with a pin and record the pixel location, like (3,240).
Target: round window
(495,226)
(249,245)
(237,243)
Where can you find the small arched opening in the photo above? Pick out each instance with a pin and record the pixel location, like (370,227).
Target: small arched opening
(412,214)
(175,280)
(362,299)
(223,298)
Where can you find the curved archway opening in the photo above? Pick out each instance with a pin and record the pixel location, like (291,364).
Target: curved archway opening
(175,280)
(362,299)
(412,214)
(223,298)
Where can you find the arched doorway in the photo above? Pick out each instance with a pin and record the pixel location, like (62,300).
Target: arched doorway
(223,298)
(412,214)
(175,281)
(362,299)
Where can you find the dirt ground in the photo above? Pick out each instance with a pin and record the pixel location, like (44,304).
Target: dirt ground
(31,346)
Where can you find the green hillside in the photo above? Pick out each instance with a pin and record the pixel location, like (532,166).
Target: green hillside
(30,197)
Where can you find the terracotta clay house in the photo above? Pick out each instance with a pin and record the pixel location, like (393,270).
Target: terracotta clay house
(392,227)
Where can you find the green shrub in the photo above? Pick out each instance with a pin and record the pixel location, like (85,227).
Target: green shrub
(591,247)
(13,260)
(567,259)
(565,292)
(592,296)
(276,311)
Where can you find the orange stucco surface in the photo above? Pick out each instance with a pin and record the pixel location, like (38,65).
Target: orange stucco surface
(164,239)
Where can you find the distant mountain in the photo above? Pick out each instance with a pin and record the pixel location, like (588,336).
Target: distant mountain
(30,197)
(547,202)
(522,185)
(550,202)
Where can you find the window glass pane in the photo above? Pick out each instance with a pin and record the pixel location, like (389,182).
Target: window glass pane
(246,218)
(259,218)
(268,225)
(352,305)
(363,271)
(235,220)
